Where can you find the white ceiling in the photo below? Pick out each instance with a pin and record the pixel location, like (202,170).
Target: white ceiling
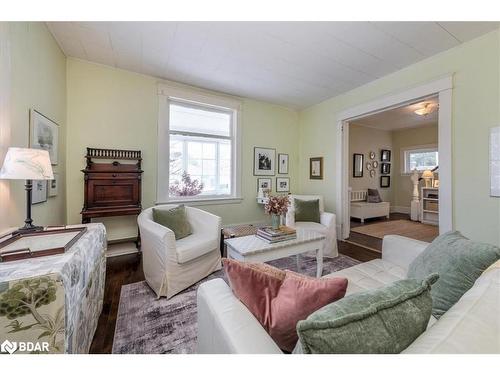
(402,117)
(296,64)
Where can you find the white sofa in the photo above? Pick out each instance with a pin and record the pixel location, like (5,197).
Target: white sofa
(171,266)
(326,226)
(472,325)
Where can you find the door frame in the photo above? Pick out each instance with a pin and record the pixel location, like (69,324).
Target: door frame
(442,89)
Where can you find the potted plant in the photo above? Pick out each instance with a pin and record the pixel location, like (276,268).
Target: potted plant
(276,206)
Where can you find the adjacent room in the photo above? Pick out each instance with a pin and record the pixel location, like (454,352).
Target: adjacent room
(394,184)
(182,187)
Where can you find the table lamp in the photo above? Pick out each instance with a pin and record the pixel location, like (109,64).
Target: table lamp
(27,164)
(428,176)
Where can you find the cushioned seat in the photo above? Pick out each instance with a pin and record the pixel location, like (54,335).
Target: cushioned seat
(194,246)
(366,204)
(370,275)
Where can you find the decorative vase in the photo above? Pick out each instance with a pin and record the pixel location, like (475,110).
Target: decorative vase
(275,221)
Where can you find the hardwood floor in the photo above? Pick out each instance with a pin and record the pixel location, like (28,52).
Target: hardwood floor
(369,241)
(120,270)
(127,269)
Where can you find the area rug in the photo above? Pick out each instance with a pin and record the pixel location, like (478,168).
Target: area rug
(147,325)
(407,228)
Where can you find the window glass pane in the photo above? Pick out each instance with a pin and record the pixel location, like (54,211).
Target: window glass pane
(199,120)
(199,166)
(422,160)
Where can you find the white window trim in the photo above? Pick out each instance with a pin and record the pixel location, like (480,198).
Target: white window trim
(167,92)
(427,147)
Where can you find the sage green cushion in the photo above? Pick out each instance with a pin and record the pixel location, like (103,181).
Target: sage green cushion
(385,320)
(174,219)
(306,210)
(458,261)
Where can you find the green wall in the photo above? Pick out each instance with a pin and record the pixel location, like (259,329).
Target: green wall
(475,67)
(37,80)
(115,108)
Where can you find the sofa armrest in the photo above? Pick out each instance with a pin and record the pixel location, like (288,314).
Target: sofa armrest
(401,250)
(225,326)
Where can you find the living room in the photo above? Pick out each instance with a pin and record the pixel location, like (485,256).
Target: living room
(188,187)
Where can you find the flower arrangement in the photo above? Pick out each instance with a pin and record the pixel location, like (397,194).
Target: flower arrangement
(277,204)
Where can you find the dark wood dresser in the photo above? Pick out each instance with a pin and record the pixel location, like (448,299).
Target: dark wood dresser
(112,184)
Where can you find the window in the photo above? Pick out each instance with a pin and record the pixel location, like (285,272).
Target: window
(420,158)
(201,163)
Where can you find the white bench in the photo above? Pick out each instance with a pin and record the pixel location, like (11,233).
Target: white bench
(361,209)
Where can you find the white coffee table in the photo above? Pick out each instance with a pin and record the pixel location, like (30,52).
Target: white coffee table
(253,249)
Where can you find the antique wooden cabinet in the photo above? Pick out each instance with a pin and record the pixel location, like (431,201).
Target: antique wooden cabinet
(112,183)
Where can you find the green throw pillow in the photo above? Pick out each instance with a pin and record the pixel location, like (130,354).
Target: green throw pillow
(174,219)
(458,261)
(385,320)
(306,210)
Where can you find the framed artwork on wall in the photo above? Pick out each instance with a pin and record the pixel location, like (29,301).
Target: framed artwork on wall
(357,165)
(264,184)
(264,163)
(53,186)
(39,193)
(385,168)
(385,155)
(44,134)
(316,168)
(282,184)
(385,181)
(283,163)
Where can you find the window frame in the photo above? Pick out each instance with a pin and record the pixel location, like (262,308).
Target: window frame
(420,148)
(202,100)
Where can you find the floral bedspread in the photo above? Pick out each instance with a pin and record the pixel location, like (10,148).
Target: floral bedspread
(52,304)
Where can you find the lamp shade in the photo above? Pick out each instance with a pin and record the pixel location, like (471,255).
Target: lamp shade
(26,164)
(427,174)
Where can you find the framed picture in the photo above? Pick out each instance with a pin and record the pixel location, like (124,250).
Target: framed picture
(357,165)
(44,134)
(372,155)
(39,193)
(385,168)
(316,168)
(264,162)
(372,173)
(385,155)
(282,184)
(283,163)
(53,186)
(385,181)
(495,162)
(264,183)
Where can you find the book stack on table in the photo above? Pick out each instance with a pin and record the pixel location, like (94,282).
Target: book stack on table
(271,235)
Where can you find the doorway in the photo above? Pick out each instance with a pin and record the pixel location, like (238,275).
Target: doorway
(441,90)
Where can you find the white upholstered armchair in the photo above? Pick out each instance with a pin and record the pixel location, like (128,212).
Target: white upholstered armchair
(171,266)
(326,226)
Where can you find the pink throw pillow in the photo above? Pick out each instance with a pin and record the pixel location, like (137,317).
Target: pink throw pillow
(279,299)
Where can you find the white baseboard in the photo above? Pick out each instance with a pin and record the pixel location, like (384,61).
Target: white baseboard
(400,209)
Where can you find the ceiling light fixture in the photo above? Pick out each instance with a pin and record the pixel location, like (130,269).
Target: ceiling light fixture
(426,109)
